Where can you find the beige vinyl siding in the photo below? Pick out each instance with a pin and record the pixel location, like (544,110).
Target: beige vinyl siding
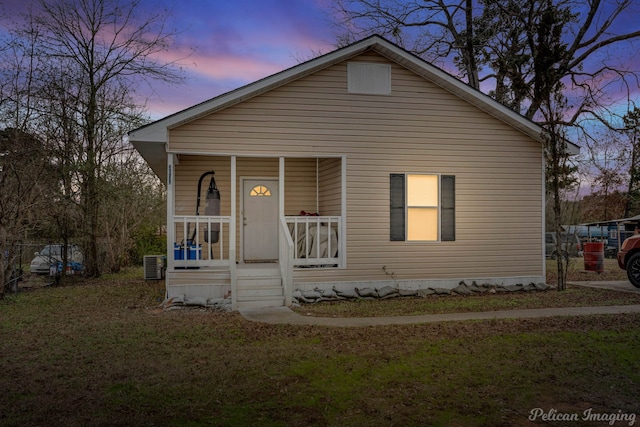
(312,185)
(300,186)
(187,173)
(330,186)
(419,128)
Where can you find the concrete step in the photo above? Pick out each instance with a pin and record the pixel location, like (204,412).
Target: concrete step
(258,282)
(245,272)
(259,292)
(263,302)
(259,286)
(199,277)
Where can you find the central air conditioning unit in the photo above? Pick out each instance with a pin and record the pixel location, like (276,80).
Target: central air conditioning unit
(153,267)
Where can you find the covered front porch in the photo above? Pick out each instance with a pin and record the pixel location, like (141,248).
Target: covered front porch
(274,217)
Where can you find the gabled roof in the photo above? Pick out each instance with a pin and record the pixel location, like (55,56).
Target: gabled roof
(151,138)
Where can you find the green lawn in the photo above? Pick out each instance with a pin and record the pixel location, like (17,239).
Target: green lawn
(103,353)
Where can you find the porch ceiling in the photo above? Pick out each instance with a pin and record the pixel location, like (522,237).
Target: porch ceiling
(155,154)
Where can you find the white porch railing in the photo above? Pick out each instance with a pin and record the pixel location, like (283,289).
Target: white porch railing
(286,261)
(193,248)
(315,240)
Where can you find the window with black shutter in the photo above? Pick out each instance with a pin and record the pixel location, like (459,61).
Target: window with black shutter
(422,207)
(397,206)
(447,208)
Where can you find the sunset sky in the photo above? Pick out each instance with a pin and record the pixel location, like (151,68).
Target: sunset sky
(228,44)
(225,44)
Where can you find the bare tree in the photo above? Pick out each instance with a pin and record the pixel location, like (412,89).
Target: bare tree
(558,168)
(95,54)
(606,159)
(495,43)
(631,128)
(136,198)
(436,30)
(23,171)
(597,207)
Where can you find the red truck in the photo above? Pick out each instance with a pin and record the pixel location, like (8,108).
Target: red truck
(629,259)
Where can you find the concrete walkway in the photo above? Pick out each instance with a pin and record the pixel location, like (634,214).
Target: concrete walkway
(284,315)
(616,285)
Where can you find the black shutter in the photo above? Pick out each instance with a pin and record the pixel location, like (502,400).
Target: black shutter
(397,216)
(448,208)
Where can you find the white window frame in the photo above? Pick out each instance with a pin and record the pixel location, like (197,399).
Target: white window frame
(429,207)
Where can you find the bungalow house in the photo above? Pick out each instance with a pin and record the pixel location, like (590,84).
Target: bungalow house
(364,167)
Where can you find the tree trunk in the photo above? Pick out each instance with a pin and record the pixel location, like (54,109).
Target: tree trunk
(634,177)
(470,52)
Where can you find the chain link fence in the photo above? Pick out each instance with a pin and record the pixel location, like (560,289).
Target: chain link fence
(40,264)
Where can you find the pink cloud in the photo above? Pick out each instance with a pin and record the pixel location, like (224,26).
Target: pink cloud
(209,76)
(221,65)
(241,68)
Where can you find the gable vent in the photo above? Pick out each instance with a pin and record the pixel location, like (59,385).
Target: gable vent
(372,79)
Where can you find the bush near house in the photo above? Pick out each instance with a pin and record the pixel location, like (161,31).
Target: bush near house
(147,241)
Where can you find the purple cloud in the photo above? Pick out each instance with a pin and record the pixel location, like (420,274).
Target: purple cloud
(225,45)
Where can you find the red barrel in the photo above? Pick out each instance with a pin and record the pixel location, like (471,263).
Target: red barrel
(594,256)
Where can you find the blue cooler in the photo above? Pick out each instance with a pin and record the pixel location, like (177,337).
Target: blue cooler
(178,251)
(194,252)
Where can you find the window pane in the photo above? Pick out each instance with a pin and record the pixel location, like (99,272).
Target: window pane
(422,224)
(422,190)
(260,190)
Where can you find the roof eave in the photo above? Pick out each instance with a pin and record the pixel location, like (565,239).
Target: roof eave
(155,154)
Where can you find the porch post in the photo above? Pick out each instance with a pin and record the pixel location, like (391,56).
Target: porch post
(281,187)
(171,232)
(232,237)
(544,213)
(343,215)
(286,272)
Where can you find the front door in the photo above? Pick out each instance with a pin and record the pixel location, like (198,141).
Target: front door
(260,220)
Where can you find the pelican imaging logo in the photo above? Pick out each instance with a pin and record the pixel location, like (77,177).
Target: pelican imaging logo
(611,418)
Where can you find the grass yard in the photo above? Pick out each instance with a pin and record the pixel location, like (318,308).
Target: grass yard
(576,271)
(103,353)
